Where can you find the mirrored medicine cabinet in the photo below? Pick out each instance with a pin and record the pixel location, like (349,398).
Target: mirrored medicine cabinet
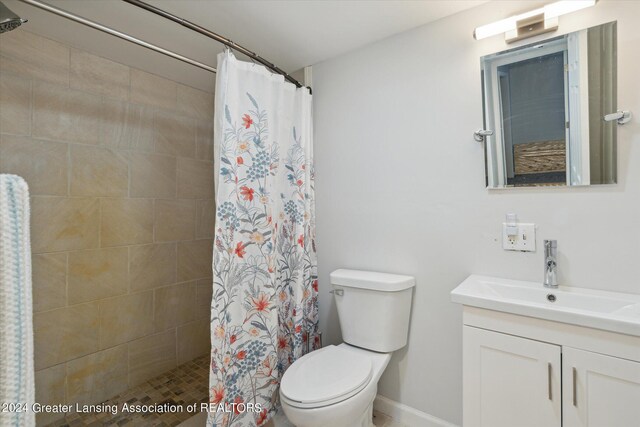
(544,111)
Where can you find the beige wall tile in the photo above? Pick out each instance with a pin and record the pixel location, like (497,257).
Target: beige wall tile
(126,222)
(175,220)
(64,334)
(64,114)
(99,75)
(151,356)
(15,104)
(195,103)
(97,274)
(152,175)
(43,164)
(204,292)
(152,266)
(62,224)
(194,259)
(49,273)
(193,340)
(126,126)
(30,55)
(174,305)
(50,390)
(147,88)
(118,150)
(174,135)
(97,377)
(195,179)
(205,219)
(50,385)
(125,318)
(204,140)
(97,171)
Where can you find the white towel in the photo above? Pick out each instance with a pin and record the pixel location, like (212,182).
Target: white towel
(16,325)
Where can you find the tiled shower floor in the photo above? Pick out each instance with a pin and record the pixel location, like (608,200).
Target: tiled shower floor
(184,385)
(187,384)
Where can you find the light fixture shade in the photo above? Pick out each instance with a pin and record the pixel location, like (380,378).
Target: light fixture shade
(548,12)
(494,28)
(560,8)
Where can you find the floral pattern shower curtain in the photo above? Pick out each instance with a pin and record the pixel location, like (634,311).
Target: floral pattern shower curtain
(264,307)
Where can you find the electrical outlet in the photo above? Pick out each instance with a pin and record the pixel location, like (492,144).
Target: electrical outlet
(524,240)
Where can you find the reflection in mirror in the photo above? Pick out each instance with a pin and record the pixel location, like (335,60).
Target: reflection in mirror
(545,103)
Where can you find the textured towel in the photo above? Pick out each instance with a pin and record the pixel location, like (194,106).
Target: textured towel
(16,325)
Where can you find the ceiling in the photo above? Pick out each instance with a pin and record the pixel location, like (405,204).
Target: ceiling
(292,34)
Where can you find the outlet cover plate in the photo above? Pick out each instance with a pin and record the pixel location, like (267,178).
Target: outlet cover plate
(524,241)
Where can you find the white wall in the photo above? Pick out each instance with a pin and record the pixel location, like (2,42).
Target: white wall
(400,187)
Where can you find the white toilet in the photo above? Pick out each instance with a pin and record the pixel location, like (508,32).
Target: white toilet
(336,385)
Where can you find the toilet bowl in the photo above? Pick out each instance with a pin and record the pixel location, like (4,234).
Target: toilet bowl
(336,385)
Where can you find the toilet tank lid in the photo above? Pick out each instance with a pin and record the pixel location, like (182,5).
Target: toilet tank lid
(384,282)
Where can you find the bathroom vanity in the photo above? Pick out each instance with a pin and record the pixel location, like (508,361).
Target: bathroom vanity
(548,357)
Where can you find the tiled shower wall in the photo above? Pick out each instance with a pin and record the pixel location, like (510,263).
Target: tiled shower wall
(119,165)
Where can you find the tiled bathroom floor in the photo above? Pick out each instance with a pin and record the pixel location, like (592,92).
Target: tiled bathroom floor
(379,420)
(384,420)
(279,420)
(184,385)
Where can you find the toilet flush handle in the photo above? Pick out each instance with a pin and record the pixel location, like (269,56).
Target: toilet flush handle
(338,292)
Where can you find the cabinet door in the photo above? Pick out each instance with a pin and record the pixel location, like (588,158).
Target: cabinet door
(510,381)
(599,391)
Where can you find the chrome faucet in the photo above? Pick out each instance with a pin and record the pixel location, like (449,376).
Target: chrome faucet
(551,263)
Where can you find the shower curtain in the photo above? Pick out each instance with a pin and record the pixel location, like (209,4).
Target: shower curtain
(264,308)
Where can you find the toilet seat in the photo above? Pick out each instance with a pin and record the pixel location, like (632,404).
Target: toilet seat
(325,377)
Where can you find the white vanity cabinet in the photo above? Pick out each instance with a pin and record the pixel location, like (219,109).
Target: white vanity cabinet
(537,357)
(532,380)
(510,381)
(599,390)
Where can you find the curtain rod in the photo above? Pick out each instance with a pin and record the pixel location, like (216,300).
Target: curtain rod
(217,37)
(124,36)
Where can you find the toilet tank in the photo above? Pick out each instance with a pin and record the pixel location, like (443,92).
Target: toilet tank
(373,308)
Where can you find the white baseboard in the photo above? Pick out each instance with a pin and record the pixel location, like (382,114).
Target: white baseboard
(407,415)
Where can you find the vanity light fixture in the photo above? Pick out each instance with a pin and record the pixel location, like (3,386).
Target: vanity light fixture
(532,23)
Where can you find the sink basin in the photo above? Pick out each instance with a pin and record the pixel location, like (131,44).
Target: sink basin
(610,311)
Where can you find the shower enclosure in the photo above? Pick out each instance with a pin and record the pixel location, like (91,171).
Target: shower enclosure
(119,164)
